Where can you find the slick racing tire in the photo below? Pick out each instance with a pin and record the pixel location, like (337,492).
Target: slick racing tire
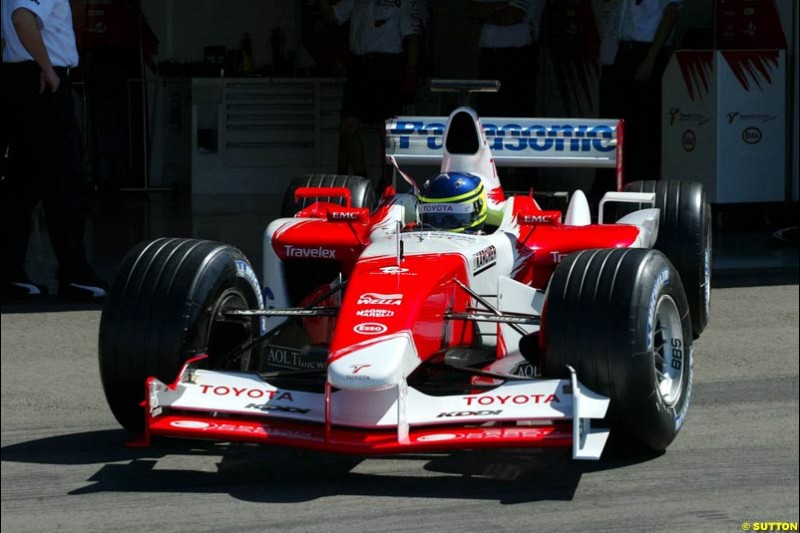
(362,192)
(684,235)
(620,318)
(165,306)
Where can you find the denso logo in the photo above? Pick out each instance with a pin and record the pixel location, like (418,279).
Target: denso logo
(486,434)
(306,253)
(233,428)
(189,424)
(370,328)
(519,399)
(515,138)
(375,298)
(238,428)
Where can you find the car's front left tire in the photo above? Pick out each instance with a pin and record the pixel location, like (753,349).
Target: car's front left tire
(620,318)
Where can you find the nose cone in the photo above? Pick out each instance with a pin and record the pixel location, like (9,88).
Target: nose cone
(374,366)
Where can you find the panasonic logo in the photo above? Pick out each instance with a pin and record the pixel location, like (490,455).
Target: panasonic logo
(309,253)
(517,137)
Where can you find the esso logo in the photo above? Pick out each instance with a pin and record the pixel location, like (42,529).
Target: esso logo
(370,328)
(752,135)
(688,140)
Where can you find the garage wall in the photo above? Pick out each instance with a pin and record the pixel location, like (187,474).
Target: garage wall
(788,12)
(184,27)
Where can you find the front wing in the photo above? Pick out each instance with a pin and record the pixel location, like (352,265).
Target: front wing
(242,407)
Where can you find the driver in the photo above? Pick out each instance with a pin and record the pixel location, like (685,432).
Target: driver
(453,201)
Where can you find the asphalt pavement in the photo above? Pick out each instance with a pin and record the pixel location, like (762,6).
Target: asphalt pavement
(65,467)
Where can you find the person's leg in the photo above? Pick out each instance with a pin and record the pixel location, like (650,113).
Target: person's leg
(351,151)
(516,99)
(489,104)
(612,91)
(62,199)
(62,202)
(642,129)
(22,177)
(648,104)
(516,72)
(386,102)
(380,97)
(20,194)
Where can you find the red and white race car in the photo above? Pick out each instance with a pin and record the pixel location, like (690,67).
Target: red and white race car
(373,334)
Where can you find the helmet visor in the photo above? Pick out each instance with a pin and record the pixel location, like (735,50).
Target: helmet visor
(448,216)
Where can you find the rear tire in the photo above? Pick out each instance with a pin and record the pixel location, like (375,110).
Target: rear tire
(684,235)
(619,317)
(305,276)
(362,192)
(163,308)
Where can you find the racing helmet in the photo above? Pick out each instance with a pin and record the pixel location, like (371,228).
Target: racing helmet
(453,201)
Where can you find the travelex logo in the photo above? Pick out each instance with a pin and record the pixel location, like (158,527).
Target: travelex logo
(515,137)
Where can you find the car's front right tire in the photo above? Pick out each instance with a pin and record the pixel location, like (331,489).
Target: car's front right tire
(165,305)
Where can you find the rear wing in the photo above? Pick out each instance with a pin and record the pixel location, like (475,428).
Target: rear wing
(515,142)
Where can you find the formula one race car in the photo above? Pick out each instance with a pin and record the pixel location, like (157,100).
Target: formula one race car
(447,317)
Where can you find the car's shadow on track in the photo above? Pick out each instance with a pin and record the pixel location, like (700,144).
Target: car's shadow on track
(280,475)
(48,304)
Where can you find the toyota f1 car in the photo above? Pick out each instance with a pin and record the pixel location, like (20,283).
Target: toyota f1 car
(371,333)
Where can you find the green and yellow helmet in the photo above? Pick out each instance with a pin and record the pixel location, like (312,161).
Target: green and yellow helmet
(453,201)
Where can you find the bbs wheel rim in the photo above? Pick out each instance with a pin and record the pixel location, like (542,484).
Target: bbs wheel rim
(669,350)
(226,334)
(707,276)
